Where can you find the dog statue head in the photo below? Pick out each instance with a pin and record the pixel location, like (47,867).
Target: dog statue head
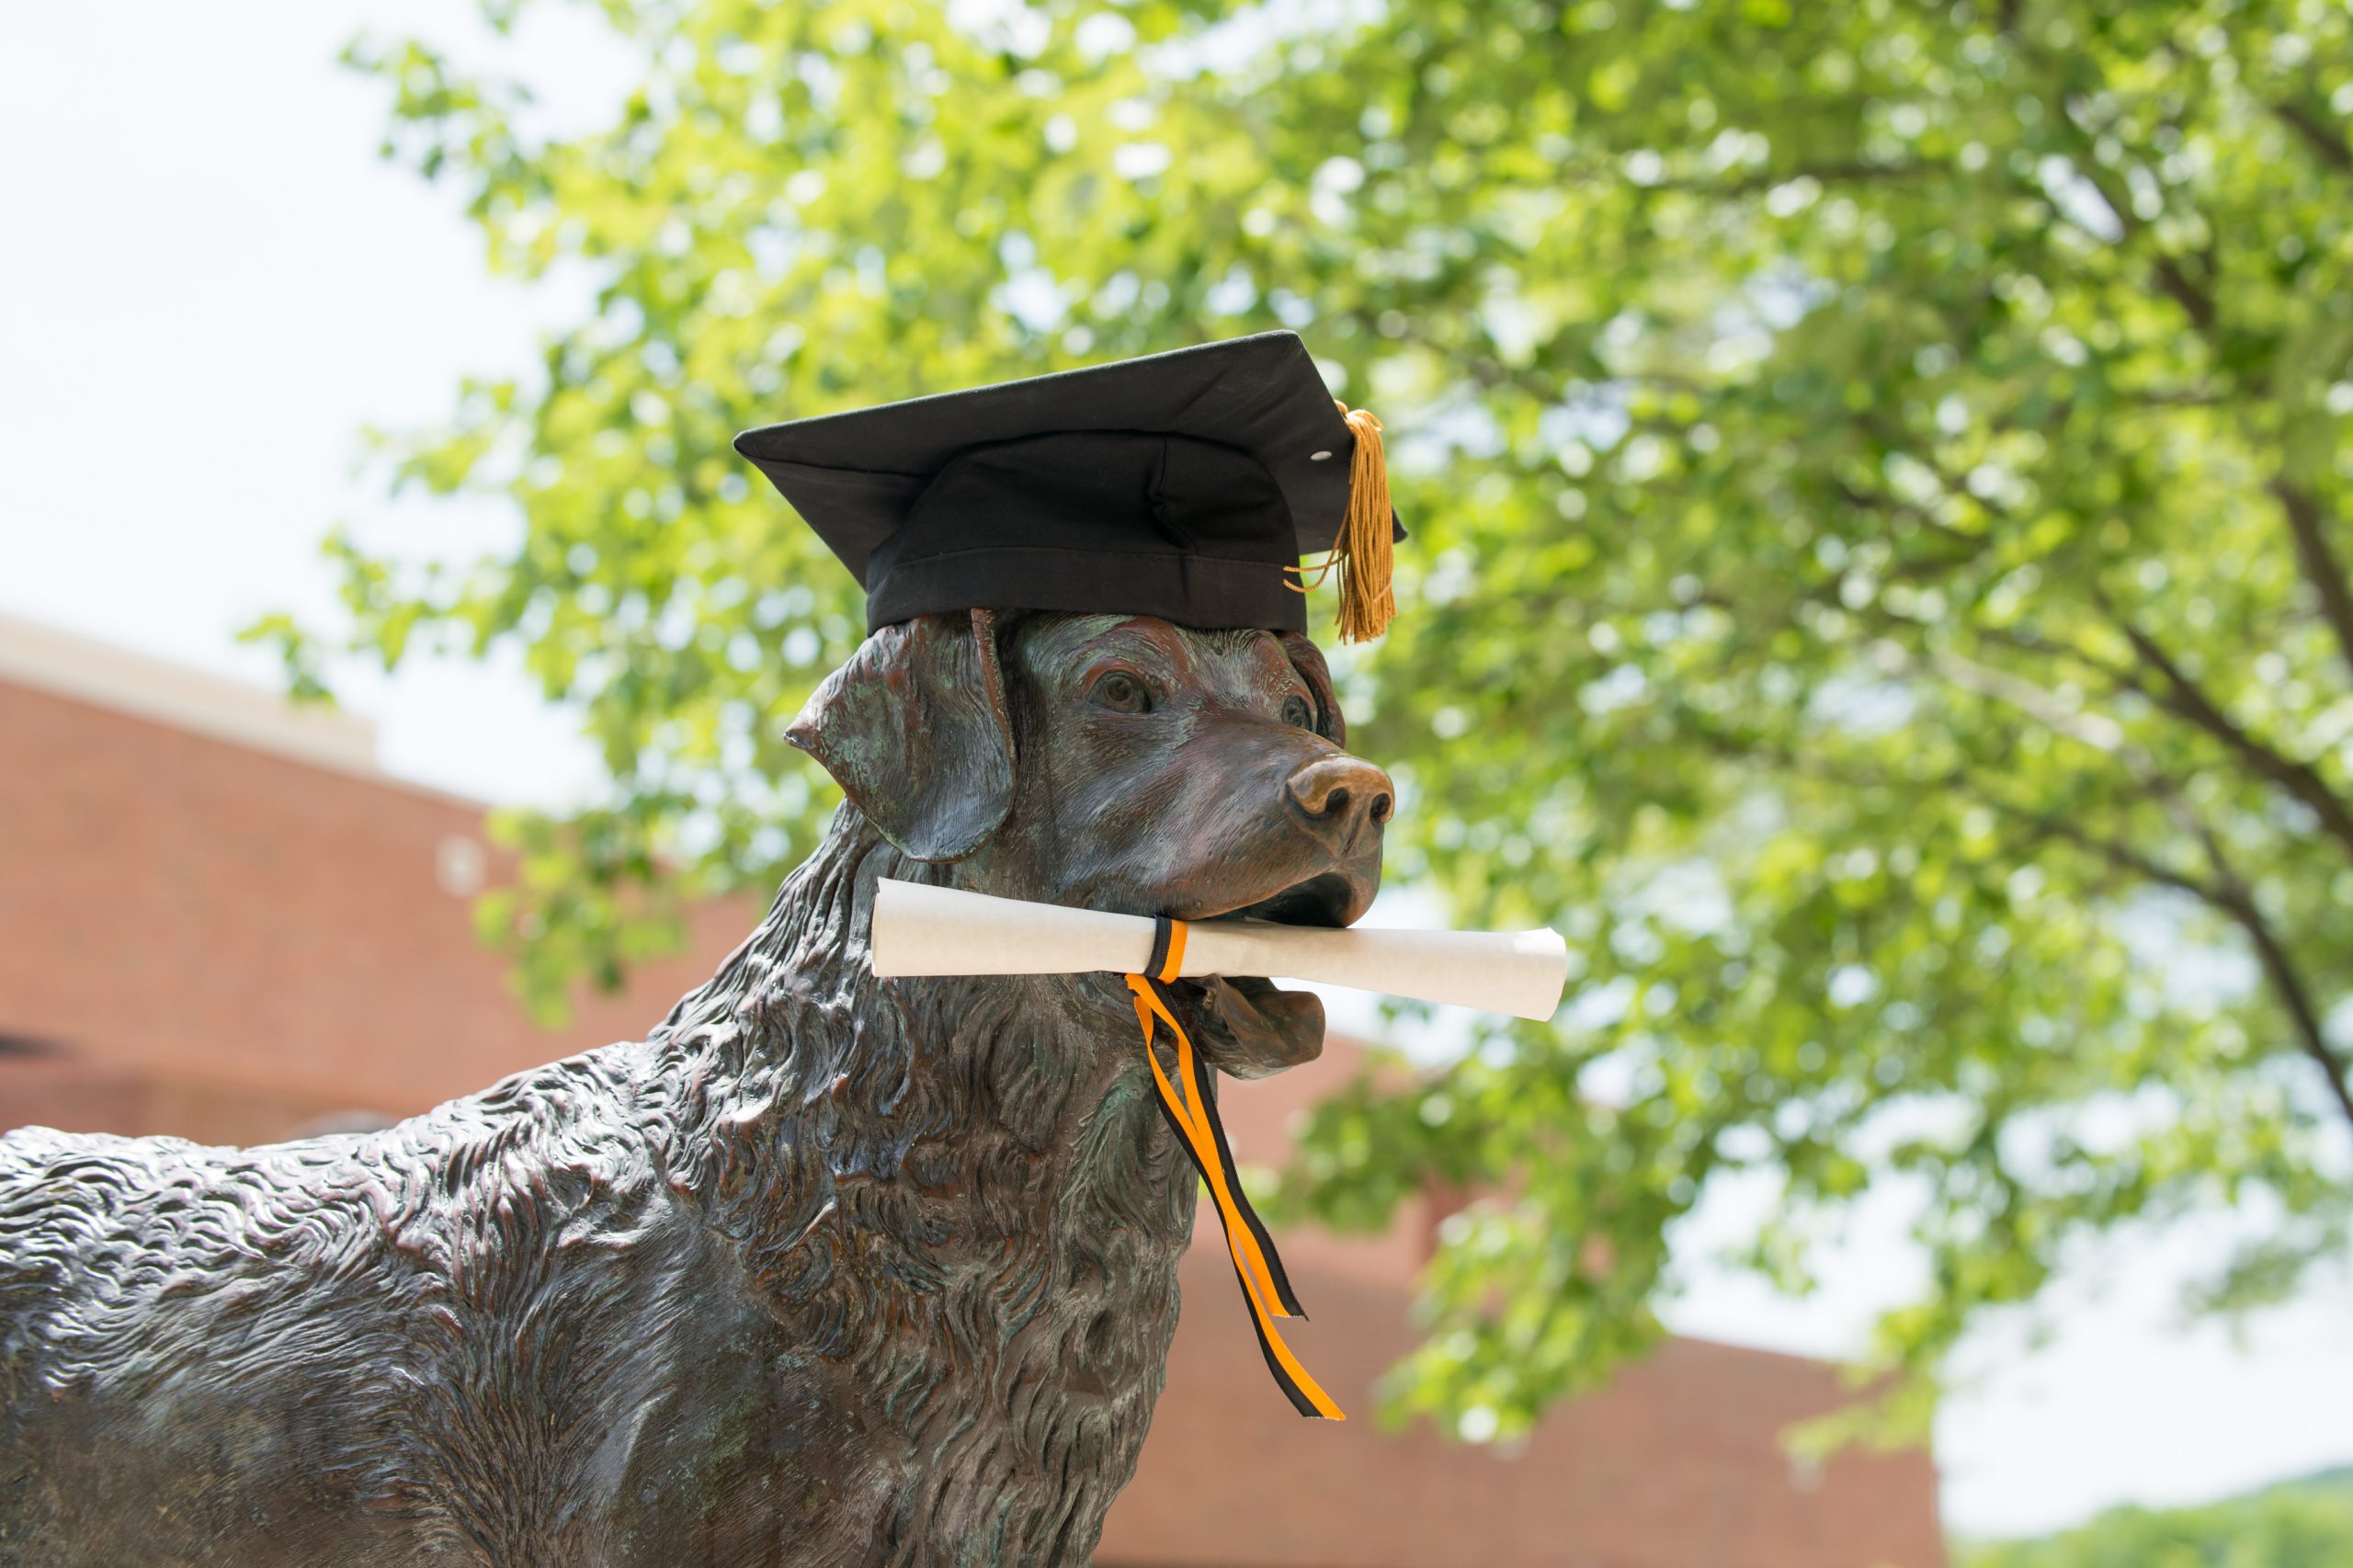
(1123,763)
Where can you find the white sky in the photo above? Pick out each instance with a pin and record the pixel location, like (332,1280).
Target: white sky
(211,285)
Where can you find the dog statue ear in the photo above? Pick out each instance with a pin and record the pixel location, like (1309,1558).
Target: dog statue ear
(1308,660)
(914,728)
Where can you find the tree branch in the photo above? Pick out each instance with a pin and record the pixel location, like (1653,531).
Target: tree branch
(2097,731)
(2196,302)
(2321,569)
(1486,368)
(2123,857)
(2230,896)
(2237,901)
(2175,397)
(1853,172)
(2227,893)
(2316,134)
(1971,545)
(2184,697)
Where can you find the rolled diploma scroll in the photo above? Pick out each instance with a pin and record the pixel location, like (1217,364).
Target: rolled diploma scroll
(927,930)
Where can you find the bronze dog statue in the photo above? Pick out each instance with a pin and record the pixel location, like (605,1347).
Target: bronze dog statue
(825,1271)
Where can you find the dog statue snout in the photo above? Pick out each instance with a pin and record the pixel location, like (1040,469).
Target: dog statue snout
(1347,793)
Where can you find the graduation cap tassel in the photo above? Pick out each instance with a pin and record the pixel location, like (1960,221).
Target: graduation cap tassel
(1364,552)
(1364,549)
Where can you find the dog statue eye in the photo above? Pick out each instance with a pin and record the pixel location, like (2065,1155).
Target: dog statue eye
(1297,711)
(1121,693)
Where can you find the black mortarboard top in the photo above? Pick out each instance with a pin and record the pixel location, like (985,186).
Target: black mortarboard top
(1185,485)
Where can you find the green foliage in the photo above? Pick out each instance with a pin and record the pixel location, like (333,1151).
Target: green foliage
(1880,482)
(2303,1524)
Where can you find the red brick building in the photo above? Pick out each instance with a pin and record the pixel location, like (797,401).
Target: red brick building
(217,919)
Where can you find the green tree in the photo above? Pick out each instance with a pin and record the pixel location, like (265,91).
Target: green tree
(2302,1524)
(1880,493)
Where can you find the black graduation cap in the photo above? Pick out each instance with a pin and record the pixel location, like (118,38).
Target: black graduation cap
(1185,485)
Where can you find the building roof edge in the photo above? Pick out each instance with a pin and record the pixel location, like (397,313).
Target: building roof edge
(66,664)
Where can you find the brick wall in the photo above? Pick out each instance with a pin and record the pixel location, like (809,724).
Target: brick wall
(237,943)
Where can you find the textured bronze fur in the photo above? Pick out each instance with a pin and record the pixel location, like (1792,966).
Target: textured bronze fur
(825,1271)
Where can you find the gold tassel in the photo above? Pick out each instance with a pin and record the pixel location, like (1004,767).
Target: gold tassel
(1364,552)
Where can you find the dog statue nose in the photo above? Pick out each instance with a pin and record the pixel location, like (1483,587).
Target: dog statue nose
(1344,792)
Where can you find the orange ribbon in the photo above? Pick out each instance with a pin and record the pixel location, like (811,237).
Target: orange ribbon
(1191,1109)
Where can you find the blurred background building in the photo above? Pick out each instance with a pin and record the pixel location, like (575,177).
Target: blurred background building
(220,920)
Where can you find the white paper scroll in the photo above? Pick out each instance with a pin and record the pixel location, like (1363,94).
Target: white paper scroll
(929,930)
